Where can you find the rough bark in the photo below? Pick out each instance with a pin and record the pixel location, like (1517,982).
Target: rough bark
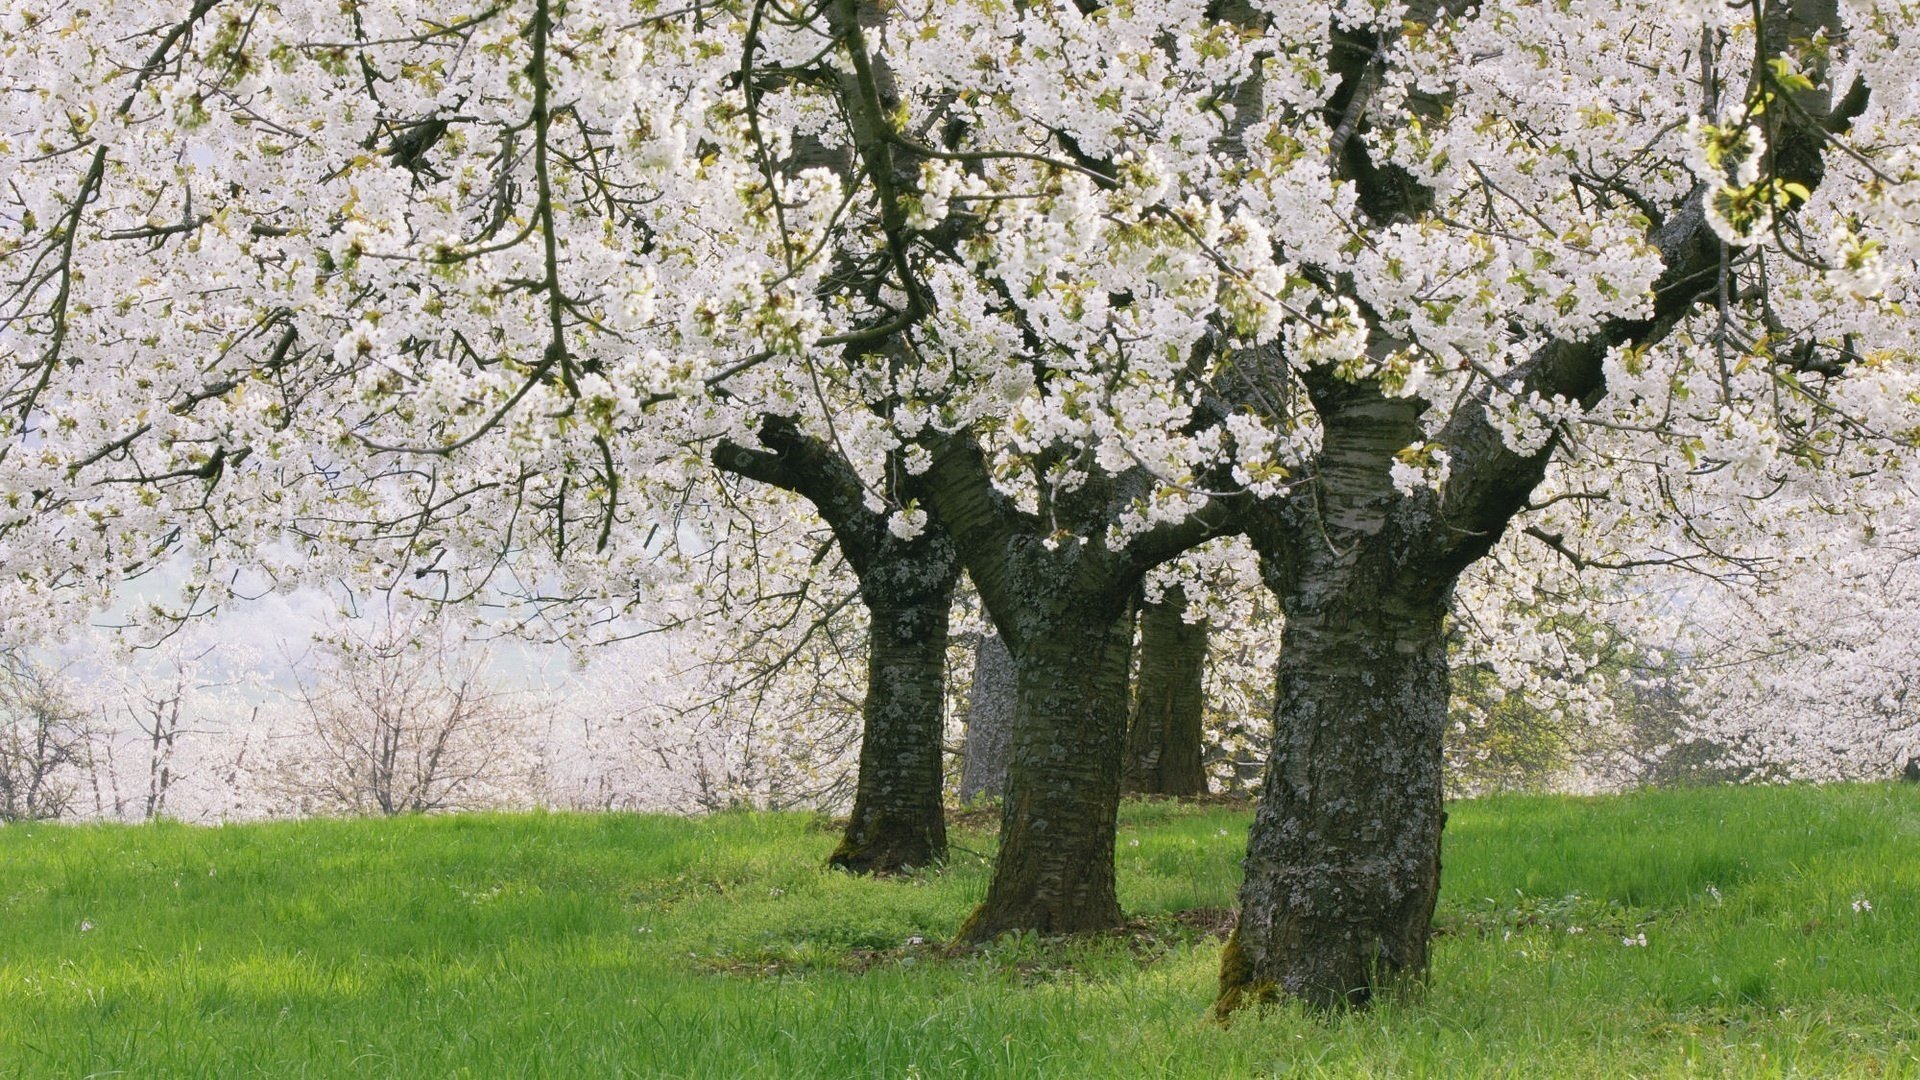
(1060,597)
(1343,860)
(1343,857)
(1164,738)
(990,708)
(898,821)
(1054,873)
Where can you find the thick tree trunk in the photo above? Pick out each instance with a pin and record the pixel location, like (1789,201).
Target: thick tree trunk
(1164,740)
(1343,860)
(1061,597)
(898,821)
(907,586)
(990,708)
(1054,872)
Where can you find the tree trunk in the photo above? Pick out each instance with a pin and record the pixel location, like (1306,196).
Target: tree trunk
(990,708)
(898,821)
(907,586)
(1054,872)
(1164,741)
(1343,860)
(1060,593)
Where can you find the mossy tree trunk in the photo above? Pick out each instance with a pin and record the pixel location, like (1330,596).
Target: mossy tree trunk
(1165,738)
(1343,860)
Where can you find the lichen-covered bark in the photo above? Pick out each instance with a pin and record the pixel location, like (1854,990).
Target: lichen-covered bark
(1054,871)
(898,822)
(990,707)
(1343,859)
(1164,738)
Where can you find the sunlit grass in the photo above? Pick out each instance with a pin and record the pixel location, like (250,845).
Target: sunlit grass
(1781,929)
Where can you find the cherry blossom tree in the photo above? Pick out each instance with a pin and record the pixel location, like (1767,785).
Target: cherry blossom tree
(1203,673)
(401,718)
(1164,737)
(46,741)
(1810,675)
(907,573)
(459,298)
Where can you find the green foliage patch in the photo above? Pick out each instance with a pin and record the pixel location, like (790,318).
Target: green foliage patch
(1738,932)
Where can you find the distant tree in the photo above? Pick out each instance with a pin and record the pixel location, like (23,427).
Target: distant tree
(46,741)
(1815,676)
(989,721)
(156,703)
(751,694)
(401,717)
(1165,740)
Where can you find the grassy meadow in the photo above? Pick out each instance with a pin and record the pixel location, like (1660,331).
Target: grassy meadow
(1781,931)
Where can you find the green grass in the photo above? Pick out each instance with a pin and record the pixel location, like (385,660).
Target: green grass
(587,946)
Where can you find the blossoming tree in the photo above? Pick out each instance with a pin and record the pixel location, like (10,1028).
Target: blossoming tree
(453,293)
